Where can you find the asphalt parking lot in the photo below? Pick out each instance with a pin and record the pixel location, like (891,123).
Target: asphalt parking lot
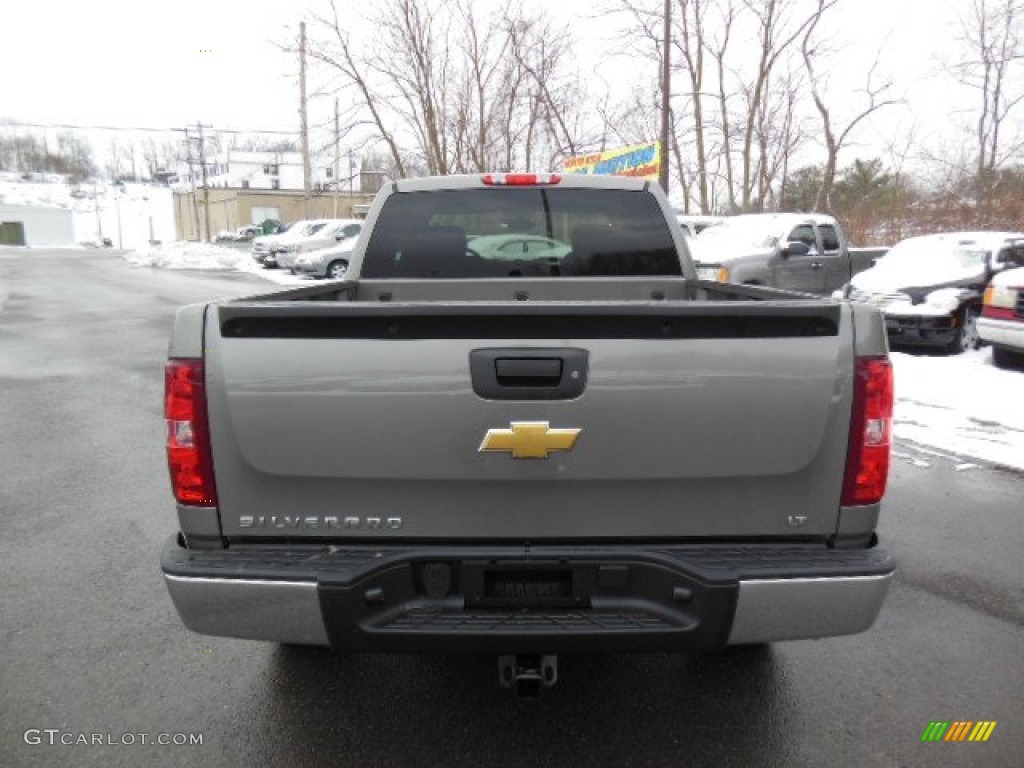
(92,646)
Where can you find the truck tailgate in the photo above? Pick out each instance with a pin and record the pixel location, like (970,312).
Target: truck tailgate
(695,419)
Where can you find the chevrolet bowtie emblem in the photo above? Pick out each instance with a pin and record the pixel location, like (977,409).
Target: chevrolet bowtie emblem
(529,439)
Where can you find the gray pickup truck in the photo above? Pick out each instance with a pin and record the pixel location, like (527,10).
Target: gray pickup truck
(585,448)
(793,251)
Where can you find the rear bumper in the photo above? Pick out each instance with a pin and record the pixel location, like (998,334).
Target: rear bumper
(1002,333)
(537,599)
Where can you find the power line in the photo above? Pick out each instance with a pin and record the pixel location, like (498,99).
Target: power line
(135,128)
(5,124)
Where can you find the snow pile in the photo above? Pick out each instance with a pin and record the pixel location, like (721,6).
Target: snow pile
(205,256)
(961,404)
(186,255)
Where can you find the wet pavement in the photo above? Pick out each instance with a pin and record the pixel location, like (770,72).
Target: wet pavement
(91,646)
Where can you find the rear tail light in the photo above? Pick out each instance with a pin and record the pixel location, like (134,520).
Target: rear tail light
(188,437)
(1000,301)
(520,179)
(867,457)
(997,313)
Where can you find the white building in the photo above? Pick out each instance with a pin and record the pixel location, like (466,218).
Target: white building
(38,225)
(260,170)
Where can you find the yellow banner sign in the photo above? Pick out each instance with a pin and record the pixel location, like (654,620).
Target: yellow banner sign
(641,160)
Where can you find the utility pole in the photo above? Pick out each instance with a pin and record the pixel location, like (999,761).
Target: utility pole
(206,187)
(117,200)
(99,219)
(192,178)
(307,172)
(337,157)
(666,81)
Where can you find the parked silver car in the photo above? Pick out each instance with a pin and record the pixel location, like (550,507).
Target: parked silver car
(327,262)
(334,232)
(264,247)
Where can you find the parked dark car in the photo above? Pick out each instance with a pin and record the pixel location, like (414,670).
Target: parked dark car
(930,287)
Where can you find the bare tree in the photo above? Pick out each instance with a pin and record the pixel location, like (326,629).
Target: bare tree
(992,31)
(719,49)
(690,42)
(337,53)
(780,133)
(633,121)
(776,33)
(837,134)
(414,60)
(115,159)
(540,50)
(992,39)
(453,91)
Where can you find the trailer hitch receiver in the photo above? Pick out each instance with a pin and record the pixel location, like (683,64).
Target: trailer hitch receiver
(528,674)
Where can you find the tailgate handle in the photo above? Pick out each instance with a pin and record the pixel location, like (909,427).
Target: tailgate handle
(528,373)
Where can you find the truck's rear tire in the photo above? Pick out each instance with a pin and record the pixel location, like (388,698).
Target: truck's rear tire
(1005,358)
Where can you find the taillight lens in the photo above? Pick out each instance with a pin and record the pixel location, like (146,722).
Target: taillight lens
(1000,301)
(521,179)
(188,437)
(868,454)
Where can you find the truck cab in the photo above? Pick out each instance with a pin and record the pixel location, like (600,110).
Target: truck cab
(797,252)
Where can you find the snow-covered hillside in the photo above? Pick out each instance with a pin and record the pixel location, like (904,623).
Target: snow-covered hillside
(129,215)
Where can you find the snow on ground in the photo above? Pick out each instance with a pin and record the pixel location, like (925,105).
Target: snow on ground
(953,408)
(130,215)
(959,406)
(206,256)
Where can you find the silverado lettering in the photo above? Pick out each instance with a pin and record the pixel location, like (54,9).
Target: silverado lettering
(314,521)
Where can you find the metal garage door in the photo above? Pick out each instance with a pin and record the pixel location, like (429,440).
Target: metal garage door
(12,233)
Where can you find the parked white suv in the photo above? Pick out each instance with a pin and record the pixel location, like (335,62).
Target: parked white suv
(1002,318)
(333,233)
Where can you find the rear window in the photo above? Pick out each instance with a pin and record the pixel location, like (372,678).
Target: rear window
(520,232)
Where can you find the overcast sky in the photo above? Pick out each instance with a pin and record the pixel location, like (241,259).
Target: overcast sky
(165,63)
